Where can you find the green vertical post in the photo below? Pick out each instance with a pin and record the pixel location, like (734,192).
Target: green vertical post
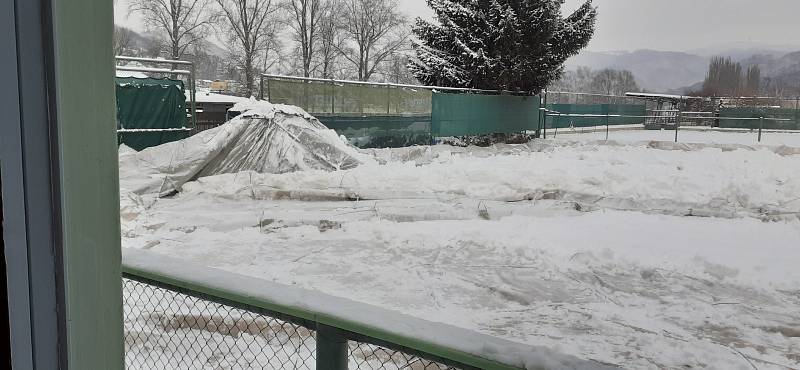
(331,349)
(88,182)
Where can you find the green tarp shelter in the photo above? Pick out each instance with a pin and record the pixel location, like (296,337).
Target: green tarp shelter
(147,105)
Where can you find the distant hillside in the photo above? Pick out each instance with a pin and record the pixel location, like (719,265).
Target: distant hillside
(657,71)
(146,45)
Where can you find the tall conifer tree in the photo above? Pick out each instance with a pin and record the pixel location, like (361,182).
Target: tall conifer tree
(515,45)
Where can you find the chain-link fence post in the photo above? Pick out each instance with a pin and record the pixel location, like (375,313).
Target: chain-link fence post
(677,124)
(332,349)
(760,127)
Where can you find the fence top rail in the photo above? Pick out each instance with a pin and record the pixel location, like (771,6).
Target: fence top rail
(591,94)
(444,341)
(153,60)
(389,84)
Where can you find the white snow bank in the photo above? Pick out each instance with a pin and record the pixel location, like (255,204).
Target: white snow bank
(685,135)
(703,182)
(265,138)
(452,235)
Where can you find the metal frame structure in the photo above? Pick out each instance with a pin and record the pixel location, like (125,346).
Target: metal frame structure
(191,76)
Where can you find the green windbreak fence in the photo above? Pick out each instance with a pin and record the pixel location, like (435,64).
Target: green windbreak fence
(729,118)
(150,104)
(633,114)
(473,114)
(339,98)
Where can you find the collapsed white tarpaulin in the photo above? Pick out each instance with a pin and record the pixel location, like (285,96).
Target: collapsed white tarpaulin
(265,138)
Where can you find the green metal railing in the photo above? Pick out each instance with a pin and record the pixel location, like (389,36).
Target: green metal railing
(184,316)
(672,119)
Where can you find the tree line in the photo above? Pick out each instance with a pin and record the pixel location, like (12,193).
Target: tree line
(353,39)
(510,45)
(728,78)
(606,81)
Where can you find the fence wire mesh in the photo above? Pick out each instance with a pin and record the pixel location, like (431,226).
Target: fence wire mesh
(167,328)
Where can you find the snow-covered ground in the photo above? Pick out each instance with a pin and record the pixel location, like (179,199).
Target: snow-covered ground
(633,254)
(685,135)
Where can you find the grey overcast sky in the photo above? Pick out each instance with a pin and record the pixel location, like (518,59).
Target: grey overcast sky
(678,25)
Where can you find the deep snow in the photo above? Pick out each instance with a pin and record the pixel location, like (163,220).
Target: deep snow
(627,253)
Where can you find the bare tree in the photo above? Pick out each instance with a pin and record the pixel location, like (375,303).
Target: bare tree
(373,30)
(330,39)
(182,23)
(306,18)
(122,39)
(394,69)
(249,26)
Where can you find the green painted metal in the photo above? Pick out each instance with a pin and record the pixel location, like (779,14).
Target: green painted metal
(751,114)
(331,348)
(89,183)
(381,131)
(473,114)
(635,115)
(150,103)
(303,313)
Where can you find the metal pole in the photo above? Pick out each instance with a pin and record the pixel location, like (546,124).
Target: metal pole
(607,125)
(388,100)
(333,97)
(261,88)
(760,127)
(677,125)
(544,135)
(193,93)
(558,120)
(331,349)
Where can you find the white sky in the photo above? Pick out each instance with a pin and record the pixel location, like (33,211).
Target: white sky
(678,25)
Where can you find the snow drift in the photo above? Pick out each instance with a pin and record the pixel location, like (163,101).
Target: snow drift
(265,138)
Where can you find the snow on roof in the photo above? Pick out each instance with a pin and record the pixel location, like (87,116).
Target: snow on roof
(205,96)
(660,96)
(125,74)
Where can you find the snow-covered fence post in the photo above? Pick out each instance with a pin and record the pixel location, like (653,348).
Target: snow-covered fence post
(760,127)
(607,124)
(677,124)
(331,349)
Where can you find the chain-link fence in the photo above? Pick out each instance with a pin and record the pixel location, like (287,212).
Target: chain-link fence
(172,328)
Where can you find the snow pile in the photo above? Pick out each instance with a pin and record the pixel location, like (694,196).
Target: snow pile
(265,138)
(703,182)
(532,243)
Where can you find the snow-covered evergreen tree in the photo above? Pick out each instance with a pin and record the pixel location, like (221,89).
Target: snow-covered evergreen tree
(515,45)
